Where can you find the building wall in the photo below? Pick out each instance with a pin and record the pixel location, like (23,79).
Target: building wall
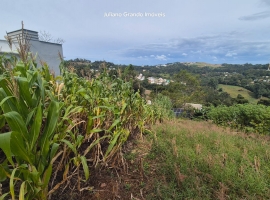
(4,47)
(45,51)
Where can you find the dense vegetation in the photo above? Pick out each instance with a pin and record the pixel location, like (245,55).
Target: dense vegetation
(247,117)
(55,128)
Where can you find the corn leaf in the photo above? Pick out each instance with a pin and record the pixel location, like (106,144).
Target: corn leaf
(5,145)
(93,144)
(85,167)
(7,104)
(54,149)
(11,184)
(22,191)
(47,176)
(90,124)
(71,146)
(17,124)
(41,92)
(4,83)
(3,196)
(24,90)
(21,68)
(50,125)
(2,121)
(112,143)
(18,147)
(35,128)
(32,77)
(3,176)
(117,121)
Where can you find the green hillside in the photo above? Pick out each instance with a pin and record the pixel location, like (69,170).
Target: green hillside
(203,64)
(235,90)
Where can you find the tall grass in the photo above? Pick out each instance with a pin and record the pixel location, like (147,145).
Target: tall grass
(197,160)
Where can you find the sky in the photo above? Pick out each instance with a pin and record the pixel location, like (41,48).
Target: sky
(149,32)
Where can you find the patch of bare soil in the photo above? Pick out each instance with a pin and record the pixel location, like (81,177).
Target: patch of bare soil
(125,177)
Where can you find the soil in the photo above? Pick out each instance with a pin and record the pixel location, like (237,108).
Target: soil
(124,180)
(128,176)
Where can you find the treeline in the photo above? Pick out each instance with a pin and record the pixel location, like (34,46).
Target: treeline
(251,77)
(255,78)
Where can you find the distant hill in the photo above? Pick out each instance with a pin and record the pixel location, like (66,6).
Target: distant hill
(203,64)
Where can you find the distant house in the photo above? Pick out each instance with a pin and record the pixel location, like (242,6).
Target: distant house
(151,80)
(140,77)
(46,51)
(193,105)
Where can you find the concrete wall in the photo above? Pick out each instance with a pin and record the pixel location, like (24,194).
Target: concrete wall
(47,52)
(4,47)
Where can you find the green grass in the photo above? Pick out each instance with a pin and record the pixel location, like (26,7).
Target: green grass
(165,75)
(197,160)
(235,90)
(203,64)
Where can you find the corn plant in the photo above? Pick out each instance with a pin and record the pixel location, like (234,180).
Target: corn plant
(32,130)
(27,142)
(111,108)
(48,124)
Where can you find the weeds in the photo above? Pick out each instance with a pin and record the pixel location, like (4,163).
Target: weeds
(208,163)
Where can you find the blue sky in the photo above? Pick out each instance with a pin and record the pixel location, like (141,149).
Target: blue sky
(214,31)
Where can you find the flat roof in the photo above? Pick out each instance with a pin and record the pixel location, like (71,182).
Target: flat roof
(51,42)
(24,30)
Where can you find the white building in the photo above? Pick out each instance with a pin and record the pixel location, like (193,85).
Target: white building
(46,51)
(140,77)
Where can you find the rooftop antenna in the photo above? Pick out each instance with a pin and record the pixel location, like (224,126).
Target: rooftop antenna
(22,31)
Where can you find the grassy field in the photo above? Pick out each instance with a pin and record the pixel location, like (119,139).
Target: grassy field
(203,64)
(198,160)
(235,90)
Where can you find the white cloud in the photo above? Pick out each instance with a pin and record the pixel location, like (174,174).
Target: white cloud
(230,54)
(184,54)
(161,57)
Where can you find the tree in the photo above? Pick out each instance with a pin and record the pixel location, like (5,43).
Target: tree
(186,88)
(240,99)
(265,102)
(129,73)
(47,37)
(213,83)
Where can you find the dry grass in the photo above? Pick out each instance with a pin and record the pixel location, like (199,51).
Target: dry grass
(199,160)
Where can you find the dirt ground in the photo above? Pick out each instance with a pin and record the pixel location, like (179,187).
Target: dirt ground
(124,180)
(128,176)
